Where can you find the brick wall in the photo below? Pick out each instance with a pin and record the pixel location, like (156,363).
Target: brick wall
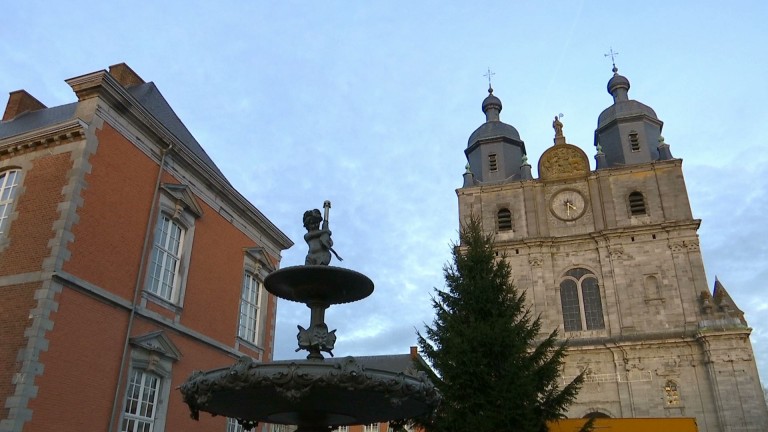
(16,302)
(81,364)
(41,193)
(114,215)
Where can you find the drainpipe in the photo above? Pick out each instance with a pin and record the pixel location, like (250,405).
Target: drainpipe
(137,289)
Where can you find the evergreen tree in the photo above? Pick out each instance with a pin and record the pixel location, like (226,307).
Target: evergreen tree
(492,372)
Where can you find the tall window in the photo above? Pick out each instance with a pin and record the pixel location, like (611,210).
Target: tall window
(373,427)
(166,255)
(250,302)
(637,204)
(580,300)
(341,429)
(9,182)
(141,402)
(504,219)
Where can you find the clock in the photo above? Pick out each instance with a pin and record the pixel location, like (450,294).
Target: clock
(568,204)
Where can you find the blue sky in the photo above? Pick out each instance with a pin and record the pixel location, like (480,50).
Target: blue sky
(370,104)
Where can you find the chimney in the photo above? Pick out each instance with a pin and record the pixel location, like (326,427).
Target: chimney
(19,102)
(125,75)
(414,353)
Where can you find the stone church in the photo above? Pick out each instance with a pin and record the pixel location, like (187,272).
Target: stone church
(611,258)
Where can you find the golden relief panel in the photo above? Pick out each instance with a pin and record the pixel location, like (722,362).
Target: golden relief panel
(561,161)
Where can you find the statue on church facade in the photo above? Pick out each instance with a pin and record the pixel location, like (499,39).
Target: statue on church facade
(558,126)
(318,238)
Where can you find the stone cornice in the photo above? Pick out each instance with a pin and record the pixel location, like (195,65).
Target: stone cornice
(719,333)
(108,297)
(630,117)
(646,338)
(45,137)
(608,236)
(589,176)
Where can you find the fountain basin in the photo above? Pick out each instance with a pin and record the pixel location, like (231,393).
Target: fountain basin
(309,393)
(317,283)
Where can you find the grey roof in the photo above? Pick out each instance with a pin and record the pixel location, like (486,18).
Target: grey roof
(150,98)
(493,129)
(627,108)
(32,120)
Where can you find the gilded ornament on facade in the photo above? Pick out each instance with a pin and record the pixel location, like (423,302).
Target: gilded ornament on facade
(563,160)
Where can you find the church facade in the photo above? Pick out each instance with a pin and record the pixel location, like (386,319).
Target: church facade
(611,258)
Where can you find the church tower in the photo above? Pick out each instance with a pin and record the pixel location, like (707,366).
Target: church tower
(611,258)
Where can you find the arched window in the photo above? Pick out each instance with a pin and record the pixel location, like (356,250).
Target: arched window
(596,414)
(637,204)
(504,219)
(9,185)
(671,393)
(580,301)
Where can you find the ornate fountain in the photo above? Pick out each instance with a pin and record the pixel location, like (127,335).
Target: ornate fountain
(315,394)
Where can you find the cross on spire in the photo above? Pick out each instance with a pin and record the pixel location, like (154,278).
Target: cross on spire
(489,74)
(612,54)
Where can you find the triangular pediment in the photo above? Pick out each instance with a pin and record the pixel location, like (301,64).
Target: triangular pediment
(182,195)
(157,342)
(260,256)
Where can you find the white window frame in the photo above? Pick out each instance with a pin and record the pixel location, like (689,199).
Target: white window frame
(9,186)
(372,427)
(257,266)
(165,262)
(144,411)
(178,208)
(152,355)
(251,300)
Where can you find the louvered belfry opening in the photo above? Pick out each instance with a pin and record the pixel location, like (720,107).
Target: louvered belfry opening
(637,204)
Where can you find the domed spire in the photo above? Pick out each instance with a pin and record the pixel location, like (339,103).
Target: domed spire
(491,106)
(494,150)
(493,126)
(618,86)
(628,130)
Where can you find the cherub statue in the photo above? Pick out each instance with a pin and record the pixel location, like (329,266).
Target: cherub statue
(318,239)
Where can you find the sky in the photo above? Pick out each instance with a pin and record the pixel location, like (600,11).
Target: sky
(370,104)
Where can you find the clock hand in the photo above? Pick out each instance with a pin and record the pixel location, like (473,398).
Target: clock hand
(568,207)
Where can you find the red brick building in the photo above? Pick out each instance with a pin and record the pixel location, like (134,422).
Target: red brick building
(127,261)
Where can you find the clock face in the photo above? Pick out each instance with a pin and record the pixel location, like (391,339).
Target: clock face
(568,205)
